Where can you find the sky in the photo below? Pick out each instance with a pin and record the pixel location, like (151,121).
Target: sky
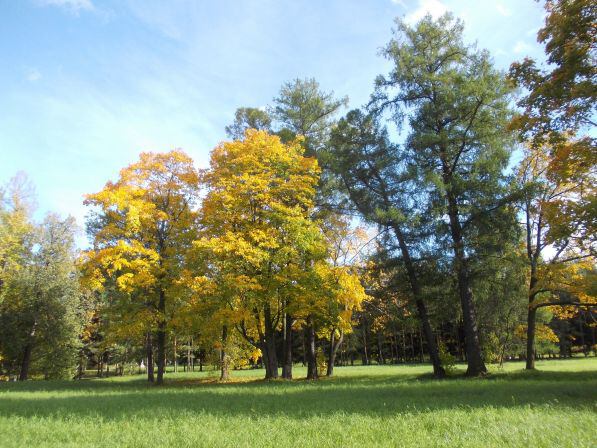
(86,85)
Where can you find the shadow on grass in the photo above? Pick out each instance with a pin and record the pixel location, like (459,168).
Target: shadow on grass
(365,395)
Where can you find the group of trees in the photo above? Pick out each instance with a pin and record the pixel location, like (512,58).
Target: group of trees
(41,309)
(402,230)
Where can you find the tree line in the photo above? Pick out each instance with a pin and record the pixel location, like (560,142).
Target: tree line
(451,217)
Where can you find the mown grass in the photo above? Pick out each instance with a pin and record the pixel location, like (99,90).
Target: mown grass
(392,406)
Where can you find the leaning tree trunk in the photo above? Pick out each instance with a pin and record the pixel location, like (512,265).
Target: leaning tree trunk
(438,370)
(311,352)
(334,346)
(287,363)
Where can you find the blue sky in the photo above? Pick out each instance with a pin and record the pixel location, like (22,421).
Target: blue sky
(86,85)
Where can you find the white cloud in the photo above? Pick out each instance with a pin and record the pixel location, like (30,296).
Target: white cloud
(32,75)
(521,47)
(503,10)
(433,7)
(74,6)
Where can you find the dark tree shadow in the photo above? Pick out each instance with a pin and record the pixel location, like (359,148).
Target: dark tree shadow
(366,395)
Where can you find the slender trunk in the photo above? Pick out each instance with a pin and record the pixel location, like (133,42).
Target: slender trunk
(187,366)
(392,349)
(175,355)
(334,346)
(380,358)
(149,349)
(421,352)
(304,349)
(530,361)
(287,364)
(365,351)
(26,361)
(311,351)
(531,318)
(438,370)
(403,346)
(224,358)
(161,336)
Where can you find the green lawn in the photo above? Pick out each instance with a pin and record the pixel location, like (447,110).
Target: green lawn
(361,407)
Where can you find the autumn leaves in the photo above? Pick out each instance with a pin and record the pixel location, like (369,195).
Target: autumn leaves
(246,259)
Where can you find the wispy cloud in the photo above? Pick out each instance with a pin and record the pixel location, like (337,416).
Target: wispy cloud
(435,8)
(32,75)
(74,6)
(521,47)
(503,10)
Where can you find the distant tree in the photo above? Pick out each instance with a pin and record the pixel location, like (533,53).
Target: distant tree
(40,316)
(248,118)
(16,227)
(302,108)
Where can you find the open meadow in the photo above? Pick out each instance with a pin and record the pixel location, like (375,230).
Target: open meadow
(362,406)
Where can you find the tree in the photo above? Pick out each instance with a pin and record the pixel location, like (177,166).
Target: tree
(346,246)
(16,228)
(302,108)
(561,97)
(142,226)
(373,175)
(257,234)
(248,118)
(457,109)
(40,318)
(560,249)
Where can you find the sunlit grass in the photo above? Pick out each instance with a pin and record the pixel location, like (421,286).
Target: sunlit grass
(362,406)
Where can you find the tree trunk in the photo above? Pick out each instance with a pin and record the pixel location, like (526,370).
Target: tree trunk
(25,362)
(287,363)
(269,346)
(531,317)
(438,370)
(334,346)
(365,351)
(530,362)
(474,358)
(380,357)
(161,336)
(175,354)
(149,349)
(311,350)
(304,348)
(224,358)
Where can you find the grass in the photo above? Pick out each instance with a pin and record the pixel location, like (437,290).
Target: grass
(391,406)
